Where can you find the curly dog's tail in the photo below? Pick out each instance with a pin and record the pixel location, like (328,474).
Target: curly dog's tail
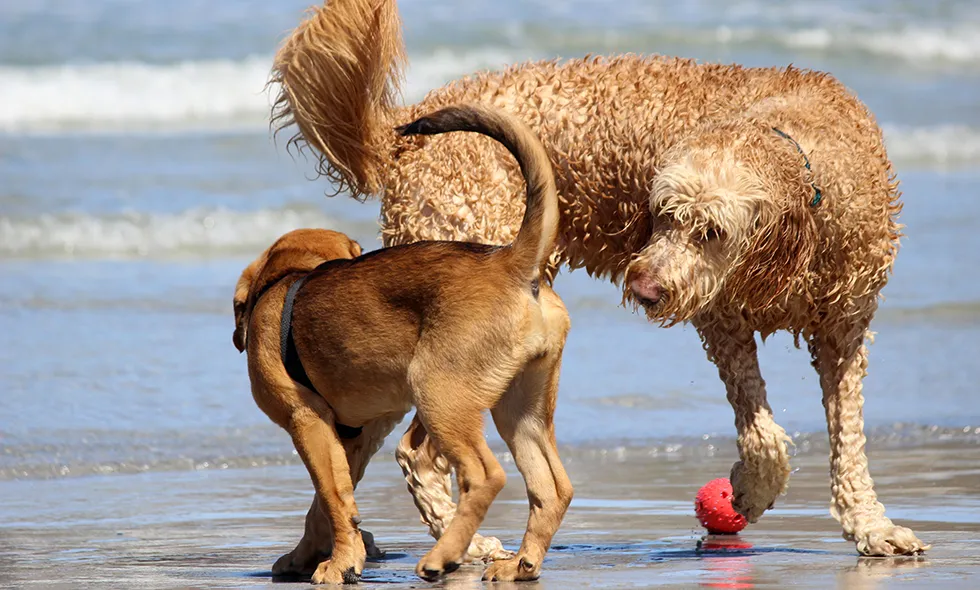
(539,229)
(338,76)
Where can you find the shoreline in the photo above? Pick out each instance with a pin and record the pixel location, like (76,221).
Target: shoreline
(23,458)
(631,524)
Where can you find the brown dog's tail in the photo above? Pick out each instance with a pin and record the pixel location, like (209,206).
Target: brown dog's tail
(338,74)
(536,240)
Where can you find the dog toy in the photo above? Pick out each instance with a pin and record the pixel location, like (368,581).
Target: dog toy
(713,506)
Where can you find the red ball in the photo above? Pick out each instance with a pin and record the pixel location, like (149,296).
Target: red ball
(713,505)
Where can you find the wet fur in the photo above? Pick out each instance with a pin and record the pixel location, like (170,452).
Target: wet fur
(653,155)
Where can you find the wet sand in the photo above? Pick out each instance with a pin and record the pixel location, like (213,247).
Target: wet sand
(631,525)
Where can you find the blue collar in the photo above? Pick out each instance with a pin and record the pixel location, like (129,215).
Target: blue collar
(817,195)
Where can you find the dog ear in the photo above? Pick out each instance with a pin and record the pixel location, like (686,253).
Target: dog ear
(238,337)
(241,300)
(778,259)
(355,249)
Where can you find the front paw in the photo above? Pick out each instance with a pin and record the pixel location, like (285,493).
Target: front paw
(431,567)
(335,572)
(512,570)
(753,493)
(887,540)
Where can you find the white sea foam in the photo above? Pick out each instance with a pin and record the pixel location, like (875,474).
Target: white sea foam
(954,45)
(195,232)
(128,95)
(201,232)
(939,146)
(443,65)
(924,46)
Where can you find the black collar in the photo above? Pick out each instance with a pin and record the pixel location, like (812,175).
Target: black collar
(290,356)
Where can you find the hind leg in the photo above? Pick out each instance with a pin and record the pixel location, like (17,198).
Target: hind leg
(763,470)
(316,441)
(427,474)
(525,420)
(315,546)
(317,542)
(453,417)
(841,359)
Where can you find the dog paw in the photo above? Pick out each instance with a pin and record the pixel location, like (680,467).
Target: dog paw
(888,540)
(753,493)
(296,562)
(511,570)
(331,572)
(372,550)
(487,549)
(431,568)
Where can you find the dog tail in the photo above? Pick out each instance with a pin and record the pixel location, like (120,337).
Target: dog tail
(338,76)
(536,239)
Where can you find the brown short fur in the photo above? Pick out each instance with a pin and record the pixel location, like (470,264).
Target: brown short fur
(451,328)
(667,170)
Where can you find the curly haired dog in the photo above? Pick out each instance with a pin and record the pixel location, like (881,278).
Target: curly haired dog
(742,200)
(340,348)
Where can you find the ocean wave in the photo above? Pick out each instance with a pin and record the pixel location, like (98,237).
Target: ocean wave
(923,46)
(128,97)
(124,95)
(197,232)
(937,146)
(958,46)
(445,64)
(134,96)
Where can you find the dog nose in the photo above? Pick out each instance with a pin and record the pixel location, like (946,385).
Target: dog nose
(646,289)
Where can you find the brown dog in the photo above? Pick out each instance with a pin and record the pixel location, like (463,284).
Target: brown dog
(343,349)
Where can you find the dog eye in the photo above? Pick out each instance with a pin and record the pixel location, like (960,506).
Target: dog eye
(711,234)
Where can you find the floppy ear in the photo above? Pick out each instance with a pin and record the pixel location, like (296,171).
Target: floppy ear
(240,302)
(355,249)
(238,337)
(778,259)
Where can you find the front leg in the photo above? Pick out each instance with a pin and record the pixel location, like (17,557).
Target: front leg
(311,426)
(763,471)
(427,474)
(317,544)
(841,359)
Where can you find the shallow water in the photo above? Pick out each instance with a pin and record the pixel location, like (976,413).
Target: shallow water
(138,177)
(631,525)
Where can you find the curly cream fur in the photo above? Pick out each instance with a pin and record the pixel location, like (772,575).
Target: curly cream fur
(763,470)
(669,175)
(331,53)
(841,358)
(427,474)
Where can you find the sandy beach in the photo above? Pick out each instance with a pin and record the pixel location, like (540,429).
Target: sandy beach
(631,525)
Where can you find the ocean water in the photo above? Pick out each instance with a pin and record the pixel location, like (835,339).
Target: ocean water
(138,176)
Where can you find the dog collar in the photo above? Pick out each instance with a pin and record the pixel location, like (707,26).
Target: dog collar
(292,362)
(817,195)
